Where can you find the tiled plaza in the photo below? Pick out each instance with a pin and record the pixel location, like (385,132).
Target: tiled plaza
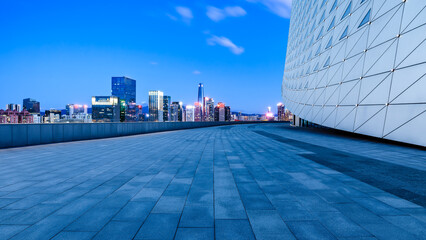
(257,181)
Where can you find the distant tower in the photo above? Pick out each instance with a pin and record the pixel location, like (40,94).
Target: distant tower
(156,106)
(200,102)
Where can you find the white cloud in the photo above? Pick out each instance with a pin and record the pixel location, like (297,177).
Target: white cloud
(196,72)
(171,17)
(225,42)
(281,8)
(217,14)
(185,13)
(153,63)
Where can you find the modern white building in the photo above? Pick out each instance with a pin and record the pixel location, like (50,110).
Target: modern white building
(359,66)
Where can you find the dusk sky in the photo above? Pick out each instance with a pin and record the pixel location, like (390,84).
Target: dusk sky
(62,52)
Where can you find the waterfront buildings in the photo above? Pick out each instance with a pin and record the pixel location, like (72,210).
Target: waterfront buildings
(167,101)
(358,66)
(209,109)
(105,109)
(125,89)
(156,106)
(31,105)
(14,116)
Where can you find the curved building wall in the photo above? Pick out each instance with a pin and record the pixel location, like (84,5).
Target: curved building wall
(359,66)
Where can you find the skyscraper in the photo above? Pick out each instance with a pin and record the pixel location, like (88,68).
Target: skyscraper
(227,113)
(124,88)
(13,107)
(31,105)
(281,112)
(156,106)
(200,100)
(222,113)
(167,101)
(190,113)
(105,109)
(198,112)
(176,112)
(209,109)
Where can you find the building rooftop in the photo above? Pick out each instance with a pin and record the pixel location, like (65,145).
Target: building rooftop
(256,181)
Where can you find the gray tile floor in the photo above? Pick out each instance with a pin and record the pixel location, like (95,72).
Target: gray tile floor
(233,182)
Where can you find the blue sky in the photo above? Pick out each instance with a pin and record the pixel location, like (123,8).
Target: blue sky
(61,52)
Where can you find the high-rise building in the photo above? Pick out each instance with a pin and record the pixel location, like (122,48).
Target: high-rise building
(176,112)
(105,109)
(281,112)
(227,113)
(156,106)
(209,109)
(167,101)
(31,105)
(198,112)
(358,66)
(124,88)
(222,113)
(199,115)
(123,109)
(190,112)
(13,107)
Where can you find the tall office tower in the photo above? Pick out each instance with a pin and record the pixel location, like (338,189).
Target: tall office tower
(209,109)
(281,112)
(181,112)
(219,112)
(358,66)
(176,112)
(190,113)
(124,88)
(156,106)
(167,101)
(131,112)
(31,105)
(105,109)
(228,113)
(198,112)
(13,107)
(123,109)
(200,101)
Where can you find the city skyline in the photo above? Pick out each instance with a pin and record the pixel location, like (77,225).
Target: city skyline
(173,54)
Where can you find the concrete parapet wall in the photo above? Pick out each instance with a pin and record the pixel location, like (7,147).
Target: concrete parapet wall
(18,135)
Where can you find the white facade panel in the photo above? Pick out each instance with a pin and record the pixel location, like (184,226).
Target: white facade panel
(359,66)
